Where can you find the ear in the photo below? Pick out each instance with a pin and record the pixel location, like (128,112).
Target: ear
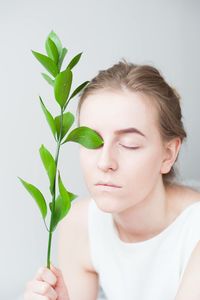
(171,150)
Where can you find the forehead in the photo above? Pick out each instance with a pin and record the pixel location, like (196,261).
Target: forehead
(111,111)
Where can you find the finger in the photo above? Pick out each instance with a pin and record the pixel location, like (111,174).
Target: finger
(56,271)
(47,275)
(42,288)
(60,279)
(32,296)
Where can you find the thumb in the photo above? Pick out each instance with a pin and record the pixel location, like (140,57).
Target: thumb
(60,284)
(57,272)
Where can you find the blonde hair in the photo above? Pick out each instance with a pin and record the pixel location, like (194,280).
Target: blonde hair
(148,80)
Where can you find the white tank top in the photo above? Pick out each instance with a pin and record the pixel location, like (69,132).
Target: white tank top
(147,270)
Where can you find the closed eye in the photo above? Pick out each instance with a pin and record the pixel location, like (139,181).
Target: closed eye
(129,147)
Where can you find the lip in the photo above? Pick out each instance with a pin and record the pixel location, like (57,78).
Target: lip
(109,184)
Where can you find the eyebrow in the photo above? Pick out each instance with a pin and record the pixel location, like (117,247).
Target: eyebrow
(127,130)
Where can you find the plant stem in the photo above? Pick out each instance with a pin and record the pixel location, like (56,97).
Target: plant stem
(54,191)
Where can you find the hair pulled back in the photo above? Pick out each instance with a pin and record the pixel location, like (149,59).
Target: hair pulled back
(149,81)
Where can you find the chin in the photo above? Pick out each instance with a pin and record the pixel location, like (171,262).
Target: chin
(108,203)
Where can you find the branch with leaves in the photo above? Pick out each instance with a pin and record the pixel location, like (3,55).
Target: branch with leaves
(60,125)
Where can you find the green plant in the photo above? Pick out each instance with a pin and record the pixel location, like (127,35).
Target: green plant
(60,126)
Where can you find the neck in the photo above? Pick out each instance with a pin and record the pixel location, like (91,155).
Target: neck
(146,218)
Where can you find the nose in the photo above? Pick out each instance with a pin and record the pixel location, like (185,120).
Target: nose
(106,159)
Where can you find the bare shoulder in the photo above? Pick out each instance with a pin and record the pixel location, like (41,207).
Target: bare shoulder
(182,196)
(79,214)
(189,287)
(77,220)
(79,209)
(191,195)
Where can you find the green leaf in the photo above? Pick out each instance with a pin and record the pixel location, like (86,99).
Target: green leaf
(47,62)
(50,205)
(48,79)
(57,212)
(68,120)
(63,193)
(76,91)
(53,36)
(37,195)
(52,50)
(74,61)
(85,136)
(72,196)
(50,166)
(61,209)
(62,56)
(49,118)
(62,86)
(62,204)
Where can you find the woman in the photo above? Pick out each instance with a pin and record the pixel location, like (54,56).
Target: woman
(137,235)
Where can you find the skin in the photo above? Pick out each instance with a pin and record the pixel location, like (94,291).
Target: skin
(140,208)
(47,284)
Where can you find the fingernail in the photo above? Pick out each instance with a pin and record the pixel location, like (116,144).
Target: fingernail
(52,266)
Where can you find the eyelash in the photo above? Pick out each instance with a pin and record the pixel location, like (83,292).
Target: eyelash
(130,148)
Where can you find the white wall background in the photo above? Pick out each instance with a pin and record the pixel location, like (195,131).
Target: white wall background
(163,33)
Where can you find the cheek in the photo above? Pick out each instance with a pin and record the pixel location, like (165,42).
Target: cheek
(86,161)
(141,174)
(143,166)
(135,165)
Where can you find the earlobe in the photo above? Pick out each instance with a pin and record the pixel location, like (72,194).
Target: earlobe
(172,149)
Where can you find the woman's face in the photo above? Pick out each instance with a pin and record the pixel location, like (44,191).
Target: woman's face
(136,171)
